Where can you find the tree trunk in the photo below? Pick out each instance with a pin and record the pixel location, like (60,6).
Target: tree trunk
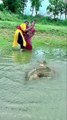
(65,15)
(60,15)
(36,12)
(54,16)
(33,11)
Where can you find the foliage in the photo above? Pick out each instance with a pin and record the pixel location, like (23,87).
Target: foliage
(15,6)
(23,2)
(1,7)
(35,4)
(61,7)
(9,16)
(49,33)
(65,9)
(46,35)
(57,7)
(53,7)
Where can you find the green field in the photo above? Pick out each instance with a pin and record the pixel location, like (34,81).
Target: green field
(51,35)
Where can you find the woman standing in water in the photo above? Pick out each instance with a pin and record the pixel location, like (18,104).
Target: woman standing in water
(29,34)
(19,35)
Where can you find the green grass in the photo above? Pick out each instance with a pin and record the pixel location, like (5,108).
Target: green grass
(8,16)
(46,34)
(58,30)
(49,40)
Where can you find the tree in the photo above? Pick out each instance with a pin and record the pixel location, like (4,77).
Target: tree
(23,4)
(65,10)
(1,6)
(61,7)
(15,5)
(35,4)
(55,7)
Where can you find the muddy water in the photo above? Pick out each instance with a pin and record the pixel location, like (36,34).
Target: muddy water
(43,99)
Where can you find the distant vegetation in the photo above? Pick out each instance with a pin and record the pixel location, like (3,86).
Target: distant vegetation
(49,33)
(56,7)
(9,16)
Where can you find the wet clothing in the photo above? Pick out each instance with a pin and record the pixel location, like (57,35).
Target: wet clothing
(19,37)
(28,37)
(20,41)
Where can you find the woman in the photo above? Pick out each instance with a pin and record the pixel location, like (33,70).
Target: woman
(19,35)
(28,36)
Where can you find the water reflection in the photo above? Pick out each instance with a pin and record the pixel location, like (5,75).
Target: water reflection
(21,57)
(50,53)
(36,99)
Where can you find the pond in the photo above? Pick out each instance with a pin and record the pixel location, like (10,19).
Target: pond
(42,99)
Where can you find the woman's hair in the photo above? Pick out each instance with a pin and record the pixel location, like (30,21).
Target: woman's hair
(33,21)
(26,21)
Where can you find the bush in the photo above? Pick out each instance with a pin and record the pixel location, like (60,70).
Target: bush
(1,7)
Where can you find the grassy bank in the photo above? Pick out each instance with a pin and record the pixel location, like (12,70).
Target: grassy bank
(8,16)
(46,35)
